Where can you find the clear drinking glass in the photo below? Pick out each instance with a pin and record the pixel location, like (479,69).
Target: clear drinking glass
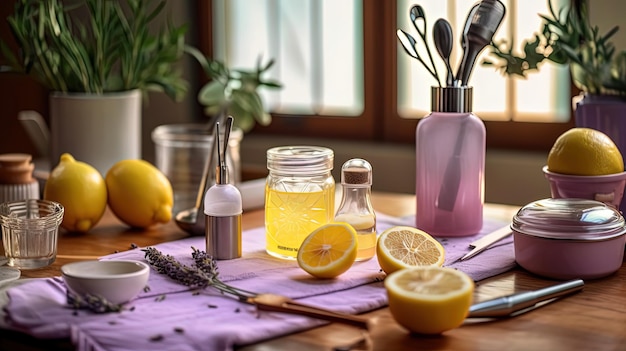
(181,151)
(30,229)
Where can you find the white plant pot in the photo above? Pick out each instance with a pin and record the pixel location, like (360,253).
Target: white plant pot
(97,129)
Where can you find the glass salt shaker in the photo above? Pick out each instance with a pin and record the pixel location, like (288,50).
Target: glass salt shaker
(299,196)
(356,206)
(450,165)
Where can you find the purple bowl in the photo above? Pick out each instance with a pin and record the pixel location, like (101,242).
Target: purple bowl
(569,238)
(608,189)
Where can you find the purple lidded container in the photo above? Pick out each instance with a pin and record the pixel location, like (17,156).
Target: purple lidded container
(569,238)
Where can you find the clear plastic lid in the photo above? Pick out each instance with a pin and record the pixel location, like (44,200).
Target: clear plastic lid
(570,219)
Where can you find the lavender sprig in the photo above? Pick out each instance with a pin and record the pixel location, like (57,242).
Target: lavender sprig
(94,303)
(203,273)
(168,265)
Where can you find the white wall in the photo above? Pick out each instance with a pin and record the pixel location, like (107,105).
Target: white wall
(160,109)
(609,13)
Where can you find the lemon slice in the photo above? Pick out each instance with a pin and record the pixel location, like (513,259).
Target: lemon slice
(329,250)
(405,247)
(429,300)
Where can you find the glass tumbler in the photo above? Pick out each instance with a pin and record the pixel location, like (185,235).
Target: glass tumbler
(30,229)
(181,152)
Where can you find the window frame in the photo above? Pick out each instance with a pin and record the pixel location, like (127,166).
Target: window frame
(380,120)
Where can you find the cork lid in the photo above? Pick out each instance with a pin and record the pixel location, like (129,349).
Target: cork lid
(16,169)
(356,171)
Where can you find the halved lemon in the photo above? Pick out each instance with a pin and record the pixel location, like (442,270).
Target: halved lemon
(405,247)
(429,300)
(329,250)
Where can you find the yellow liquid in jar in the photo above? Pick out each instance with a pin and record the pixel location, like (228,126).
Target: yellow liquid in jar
(291,216)
(365,226)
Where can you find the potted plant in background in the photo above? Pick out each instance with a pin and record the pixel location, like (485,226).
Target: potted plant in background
(596,67)
(567,37)
(97,58)
(235,93)
(182,149)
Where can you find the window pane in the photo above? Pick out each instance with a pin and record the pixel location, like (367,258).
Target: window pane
(317,46)
(543,97)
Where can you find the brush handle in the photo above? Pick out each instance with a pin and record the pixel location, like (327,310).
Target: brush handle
(507,305)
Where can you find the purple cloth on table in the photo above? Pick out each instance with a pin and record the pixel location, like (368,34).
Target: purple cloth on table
(185,320)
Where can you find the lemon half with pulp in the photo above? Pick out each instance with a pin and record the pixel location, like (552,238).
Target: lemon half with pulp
(328,251)
(429,300)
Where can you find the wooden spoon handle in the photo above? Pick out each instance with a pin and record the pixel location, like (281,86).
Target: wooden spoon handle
(290,306)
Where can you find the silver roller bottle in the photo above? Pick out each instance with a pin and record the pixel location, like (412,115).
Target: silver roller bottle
(223,208)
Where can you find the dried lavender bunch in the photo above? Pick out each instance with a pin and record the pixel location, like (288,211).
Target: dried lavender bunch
(94,303)
(203,273)
(168,265)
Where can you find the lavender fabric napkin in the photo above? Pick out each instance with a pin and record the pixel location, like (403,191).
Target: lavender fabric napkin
(171,317)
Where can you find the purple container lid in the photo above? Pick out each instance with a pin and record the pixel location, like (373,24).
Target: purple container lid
(569,219)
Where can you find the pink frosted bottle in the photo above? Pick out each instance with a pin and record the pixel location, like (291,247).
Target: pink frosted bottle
(450,165)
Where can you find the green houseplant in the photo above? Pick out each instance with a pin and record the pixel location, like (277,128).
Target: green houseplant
(568,37)
(596,67)
(97,58)
(235,92)
(95,46)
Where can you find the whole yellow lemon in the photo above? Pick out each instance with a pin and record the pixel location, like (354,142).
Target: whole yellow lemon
(585,152)
(139,194)
(81,189)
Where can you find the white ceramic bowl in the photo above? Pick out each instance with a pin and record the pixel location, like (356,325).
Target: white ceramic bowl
(117,281)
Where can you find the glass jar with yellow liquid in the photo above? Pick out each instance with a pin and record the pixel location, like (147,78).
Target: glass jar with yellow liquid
(356,207)
(299,196)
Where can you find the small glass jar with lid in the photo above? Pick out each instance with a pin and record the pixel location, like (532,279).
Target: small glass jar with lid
(299,196)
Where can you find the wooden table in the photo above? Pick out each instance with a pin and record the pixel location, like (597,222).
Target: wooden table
(594,319)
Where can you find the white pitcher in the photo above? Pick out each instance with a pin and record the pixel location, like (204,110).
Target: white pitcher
(97,129)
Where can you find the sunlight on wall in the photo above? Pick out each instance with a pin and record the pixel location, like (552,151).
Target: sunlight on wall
(318,48)
(313,42)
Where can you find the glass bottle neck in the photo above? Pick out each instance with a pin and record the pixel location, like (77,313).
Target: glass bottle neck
(355,199)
